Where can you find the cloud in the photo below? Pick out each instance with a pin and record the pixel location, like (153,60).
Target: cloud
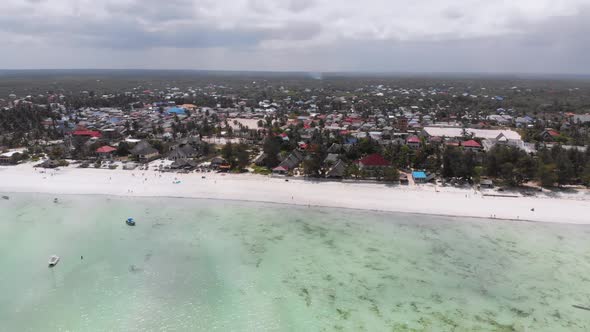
(305,34)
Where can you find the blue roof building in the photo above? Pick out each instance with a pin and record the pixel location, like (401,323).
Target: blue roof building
(351,140)
(176,110)
(419,176)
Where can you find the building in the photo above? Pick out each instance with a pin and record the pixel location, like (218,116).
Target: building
(486,184)
(183,152)
(419,177)
(84,135)
(549,135)
(143,151)
(105,152)
(482,134)
(488,137)
(176,110)
(184,164)
(402,124)
(280,170)
(292,161)
(373,161)
(219,163)
(8,158)
(472,145)
(581,118)
(337,171)
(413,142)
(49,163)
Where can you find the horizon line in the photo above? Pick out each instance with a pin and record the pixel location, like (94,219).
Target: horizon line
(331,72)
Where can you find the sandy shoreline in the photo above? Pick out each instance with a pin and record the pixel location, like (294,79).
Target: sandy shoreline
(447,201)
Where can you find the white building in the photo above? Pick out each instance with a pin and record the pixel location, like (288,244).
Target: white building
(456,132)
(488,137)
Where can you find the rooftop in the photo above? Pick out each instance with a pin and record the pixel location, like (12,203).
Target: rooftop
(478,133)
(374,159)
(419,175)
(106,149)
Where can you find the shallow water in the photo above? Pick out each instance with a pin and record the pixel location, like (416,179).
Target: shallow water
(204,265)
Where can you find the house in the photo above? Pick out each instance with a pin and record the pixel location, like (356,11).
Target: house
(402,124)
(500,119)
(183,152)
(457,132)
(332,158)
(502,139)
(193,141)
(129,166)
(524,122)
(176,110)
(335,148)
(86,133)
(339,148)
(184,164)
(413,142)
(387,134)
(260,159)
(472,145)
(373,161)
(581,118)
(419,177)
(292,161)
(337,171)
(143,151)
(403,178)
(280,170)
(8,158)
(486,183)
(49,163)
(83,135)
(219,163)
(105,152)
(549,135)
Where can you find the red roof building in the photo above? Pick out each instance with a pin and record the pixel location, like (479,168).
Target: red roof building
(374,160)
(472,144)
(549,135)
(413,139)
(87,133)
(105,149)
(413,142)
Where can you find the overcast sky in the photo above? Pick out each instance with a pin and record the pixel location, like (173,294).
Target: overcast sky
(524,36)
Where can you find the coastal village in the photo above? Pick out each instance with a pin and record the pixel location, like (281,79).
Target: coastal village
(376,132)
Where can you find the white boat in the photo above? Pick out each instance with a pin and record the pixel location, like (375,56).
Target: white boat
(53,260)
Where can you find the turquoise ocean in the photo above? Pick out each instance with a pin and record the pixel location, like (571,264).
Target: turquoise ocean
(207,265)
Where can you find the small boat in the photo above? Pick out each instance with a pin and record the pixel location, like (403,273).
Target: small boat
(130,222)
(5,197)
(53,260)
(55,200)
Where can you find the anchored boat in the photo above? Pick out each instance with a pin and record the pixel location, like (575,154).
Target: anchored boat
(53,260)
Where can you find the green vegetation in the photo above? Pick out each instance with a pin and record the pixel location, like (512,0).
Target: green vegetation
(261,170)
(237,155)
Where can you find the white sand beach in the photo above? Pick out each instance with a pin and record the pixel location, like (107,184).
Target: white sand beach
(426,199)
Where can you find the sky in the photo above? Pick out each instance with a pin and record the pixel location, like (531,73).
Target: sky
(483,36)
